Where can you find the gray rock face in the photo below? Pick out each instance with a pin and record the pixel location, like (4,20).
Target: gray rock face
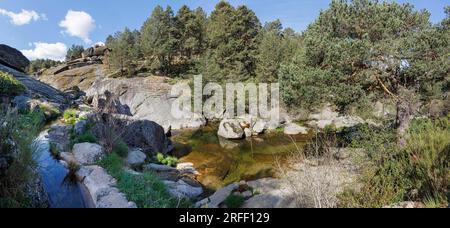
(230,129)
(406,205)
(327,116)
(181,189)
(218,197)
(259,126)
(248,132)
(294,129)
(136,158)
(80,126)
(112,198)
(147,135)
(102,188)
(159,168)
(148,99)
(272,195)
(13,58)
(21,102)
(37,89)
(87,153)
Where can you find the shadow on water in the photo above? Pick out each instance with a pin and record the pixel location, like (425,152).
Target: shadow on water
(62,191)
(221,162)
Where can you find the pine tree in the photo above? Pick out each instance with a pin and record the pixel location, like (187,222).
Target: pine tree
(74,52)
(364,49)
(125,52)
(233,43)
(160,39)
(271,52)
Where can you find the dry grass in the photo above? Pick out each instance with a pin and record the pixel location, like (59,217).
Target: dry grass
(314,177)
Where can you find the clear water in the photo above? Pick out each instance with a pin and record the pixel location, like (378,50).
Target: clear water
(221,162)
(63,193)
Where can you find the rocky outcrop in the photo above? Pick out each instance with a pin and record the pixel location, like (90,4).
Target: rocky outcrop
(13,58)
(64,78)
(96,51)
(148,99)
(147,135)
(37,90)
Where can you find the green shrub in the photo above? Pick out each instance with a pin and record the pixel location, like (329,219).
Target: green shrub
(146,190)
(167,160)
(419,172)
(10,86)
(71,117)
(50,113)
(429,152)
(85,137)
(54,151)
(73,168)
(121,149)
(234,201)
(17,132)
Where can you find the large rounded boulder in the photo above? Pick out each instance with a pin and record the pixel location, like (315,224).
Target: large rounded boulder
(13,58)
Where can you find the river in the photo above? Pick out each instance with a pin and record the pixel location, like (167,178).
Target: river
(62,192)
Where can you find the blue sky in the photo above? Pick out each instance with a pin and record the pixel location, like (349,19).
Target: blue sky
(46,27)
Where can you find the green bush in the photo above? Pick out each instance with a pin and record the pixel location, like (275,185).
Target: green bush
(419,172)
(85,137)
(234,201)
(146,190)
(429,152)
(50,113)
(121,149)
(71,117)
(10,86)
(167,160)
(17,132)
(54,151)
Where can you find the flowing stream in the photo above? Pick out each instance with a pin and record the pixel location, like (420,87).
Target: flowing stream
(62,192)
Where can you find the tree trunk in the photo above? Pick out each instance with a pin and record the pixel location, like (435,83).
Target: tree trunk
(404,117)
(407,106)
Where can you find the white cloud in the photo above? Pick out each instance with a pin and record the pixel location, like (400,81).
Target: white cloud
(22,18)
(78,24)
(56,51)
